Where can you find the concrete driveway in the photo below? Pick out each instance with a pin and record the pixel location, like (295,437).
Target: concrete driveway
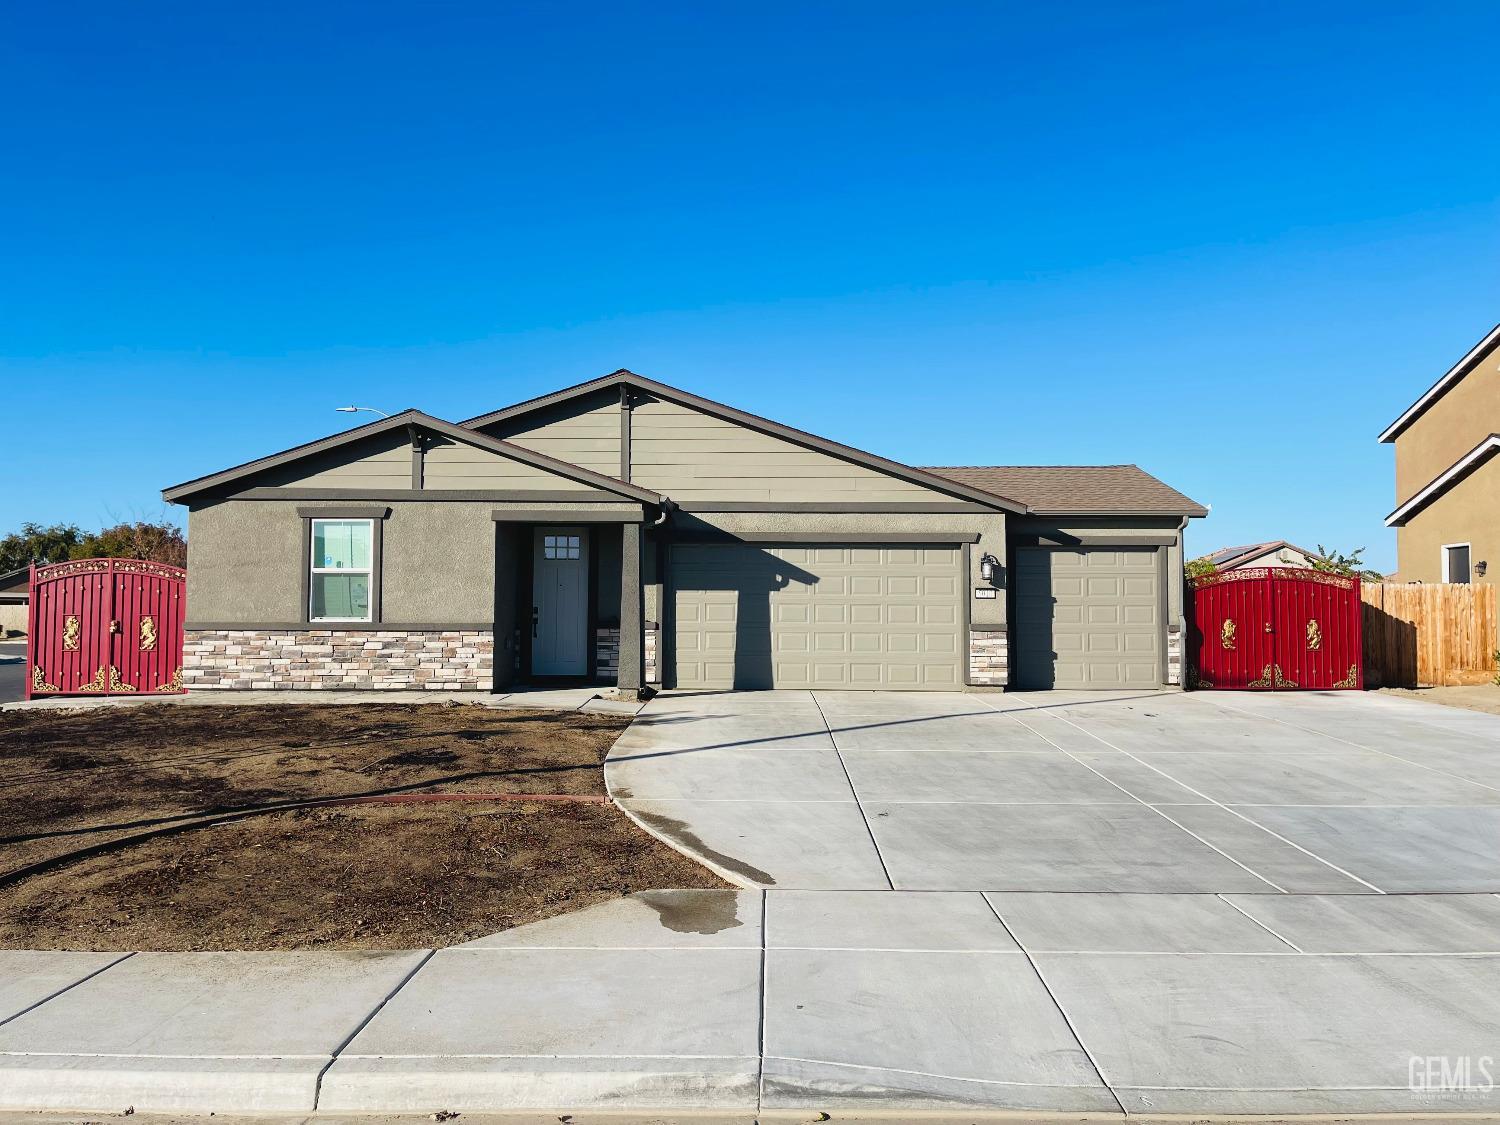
(1148,793)
(1200,903)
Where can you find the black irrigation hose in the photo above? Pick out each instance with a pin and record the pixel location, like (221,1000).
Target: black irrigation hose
(42,866)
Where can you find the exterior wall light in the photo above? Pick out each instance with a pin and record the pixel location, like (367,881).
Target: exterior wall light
(1480,567)
(989,564)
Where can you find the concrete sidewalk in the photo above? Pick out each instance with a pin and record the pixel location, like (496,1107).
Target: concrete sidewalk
(796,1001)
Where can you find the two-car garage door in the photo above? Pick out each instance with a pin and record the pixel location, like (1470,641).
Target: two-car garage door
(883,615)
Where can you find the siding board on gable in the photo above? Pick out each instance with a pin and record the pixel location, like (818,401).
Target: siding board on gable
(585,432)
(463,466)
(692,456)
(382,462)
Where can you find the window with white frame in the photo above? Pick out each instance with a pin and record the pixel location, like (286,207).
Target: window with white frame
(560,546)
(1456,563)
(342,563)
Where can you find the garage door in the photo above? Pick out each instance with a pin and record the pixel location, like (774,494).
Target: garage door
(1087,618)
(799,615)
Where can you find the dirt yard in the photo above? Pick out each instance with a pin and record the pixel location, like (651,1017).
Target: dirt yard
(366,876)
(1473,697)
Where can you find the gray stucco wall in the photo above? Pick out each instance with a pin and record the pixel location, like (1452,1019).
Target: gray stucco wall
(245,562)
(442,562)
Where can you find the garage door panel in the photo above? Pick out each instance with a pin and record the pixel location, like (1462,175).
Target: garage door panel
(1087,618)
(868,616)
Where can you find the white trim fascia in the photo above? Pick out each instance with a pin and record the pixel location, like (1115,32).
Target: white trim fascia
(1454,373)
(1440,482)
(1445,548)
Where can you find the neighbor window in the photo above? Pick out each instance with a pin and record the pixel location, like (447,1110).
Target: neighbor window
(342,554)
(560,546)
(1456,563)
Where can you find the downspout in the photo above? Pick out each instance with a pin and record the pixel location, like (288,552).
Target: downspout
(1182,602)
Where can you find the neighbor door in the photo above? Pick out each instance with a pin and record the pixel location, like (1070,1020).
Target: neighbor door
(560,602)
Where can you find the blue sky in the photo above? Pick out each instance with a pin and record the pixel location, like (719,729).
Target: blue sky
(1229,242)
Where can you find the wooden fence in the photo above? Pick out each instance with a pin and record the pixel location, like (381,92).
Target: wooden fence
(1428,634)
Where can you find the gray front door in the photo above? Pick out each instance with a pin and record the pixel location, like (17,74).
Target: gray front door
(560,602)
(1087,617)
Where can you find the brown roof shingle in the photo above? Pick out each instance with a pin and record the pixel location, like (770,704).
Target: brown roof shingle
(1071,489)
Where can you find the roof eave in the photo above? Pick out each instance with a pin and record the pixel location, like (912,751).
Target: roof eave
(1452,376)
(1195,511)
(765,425)
(180,493)
(1444,481)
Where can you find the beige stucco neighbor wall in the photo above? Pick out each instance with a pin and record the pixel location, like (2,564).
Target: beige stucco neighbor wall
(1469,512)
(12,618)
(1458,421)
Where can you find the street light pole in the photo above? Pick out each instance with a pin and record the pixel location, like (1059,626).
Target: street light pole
(356,409)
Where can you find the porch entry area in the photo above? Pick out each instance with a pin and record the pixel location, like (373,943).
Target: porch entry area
(567,590)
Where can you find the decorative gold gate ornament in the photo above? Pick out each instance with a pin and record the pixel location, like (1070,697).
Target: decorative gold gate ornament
(39,685)
(1314,635)
(1351,680)
(70,633)
(174,684)
(148,634)
(1226,634)
(107,674)
(1271,676)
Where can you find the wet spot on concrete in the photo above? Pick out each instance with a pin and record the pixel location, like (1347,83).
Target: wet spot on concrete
(694,912)
(679,833)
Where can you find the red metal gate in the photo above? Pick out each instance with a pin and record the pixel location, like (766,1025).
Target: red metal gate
(1275,629)
(105,627)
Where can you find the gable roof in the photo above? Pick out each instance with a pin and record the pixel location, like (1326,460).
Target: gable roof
(988,497)
(17,582)
(180,492)
(1450,379)
(1229,556)
(1049,490)
(1445,480)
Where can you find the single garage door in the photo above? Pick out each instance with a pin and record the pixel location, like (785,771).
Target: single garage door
(1087,618)
(825,616)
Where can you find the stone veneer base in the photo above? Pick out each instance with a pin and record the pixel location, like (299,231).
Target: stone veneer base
(988,658)
(391,659)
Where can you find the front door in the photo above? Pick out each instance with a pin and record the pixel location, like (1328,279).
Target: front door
(560,602)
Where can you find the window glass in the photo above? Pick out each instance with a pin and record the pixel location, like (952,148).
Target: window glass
(561,546)
(341,544)
(1458,564)
(342,554)
(341,596)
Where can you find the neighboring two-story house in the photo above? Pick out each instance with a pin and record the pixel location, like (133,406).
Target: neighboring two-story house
(1447,516)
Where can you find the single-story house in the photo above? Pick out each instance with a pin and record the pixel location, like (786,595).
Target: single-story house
(15,600)
(624,531)
(1275,552)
